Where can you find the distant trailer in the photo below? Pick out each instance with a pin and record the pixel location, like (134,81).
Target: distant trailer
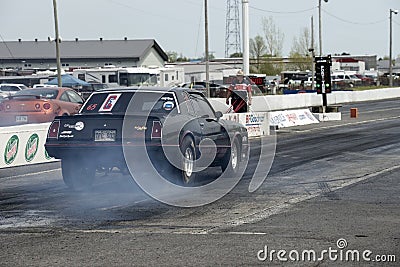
(28,80)
(135,76)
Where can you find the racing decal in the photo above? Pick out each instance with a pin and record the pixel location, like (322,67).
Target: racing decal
(11,150)
(109,103)
(156,130)
(31,147)
(168,106)
(79,126)
(91,107)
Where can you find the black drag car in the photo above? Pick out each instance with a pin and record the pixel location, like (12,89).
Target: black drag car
(179,122)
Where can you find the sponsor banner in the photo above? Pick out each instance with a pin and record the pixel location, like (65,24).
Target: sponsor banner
(257,123)
(23,144)
(288,118)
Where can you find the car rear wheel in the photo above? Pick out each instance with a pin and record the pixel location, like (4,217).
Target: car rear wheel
(77,175)
(187,175)
(231,160)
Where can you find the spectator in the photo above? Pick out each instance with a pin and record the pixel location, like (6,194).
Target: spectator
(240,93)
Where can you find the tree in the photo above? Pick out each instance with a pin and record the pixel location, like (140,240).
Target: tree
(257,49)
(299,53)
(235,55)
(302,44)
(274,37)
(172,56)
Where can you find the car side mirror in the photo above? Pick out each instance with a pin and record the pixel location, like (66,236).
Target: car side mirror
(218,114)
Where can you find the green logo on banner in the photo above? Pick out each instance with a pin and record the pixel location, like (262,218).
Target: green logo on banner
(11,150)
(47,155)
(31,147)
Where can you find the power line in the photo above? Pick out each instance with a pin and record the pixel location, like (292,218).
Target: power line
(282,12)
(353,22)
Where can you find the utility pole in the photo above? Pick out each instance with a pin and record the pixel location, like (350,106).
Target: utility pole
(391,11)
(246,53)
(312,54)
(206,48)
(57,40)
(320,26)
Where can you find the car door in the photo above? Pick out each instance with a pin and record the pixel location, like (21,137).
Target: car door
(208,122)
(71,102)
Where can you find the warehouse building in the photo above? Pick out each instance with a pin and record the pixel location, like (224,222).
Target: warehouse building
(41,55)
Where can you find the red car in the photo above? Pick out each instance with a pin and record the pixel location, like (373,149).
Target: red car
(38,105)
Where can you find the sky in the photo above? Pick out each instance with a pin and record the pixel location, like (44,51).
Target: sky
(358,27)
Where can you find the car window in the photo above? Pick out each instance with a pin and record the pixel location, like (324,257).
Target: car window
(8,88)
(64,97)
(143,102)
(42,92)
(74,97)
(201,105)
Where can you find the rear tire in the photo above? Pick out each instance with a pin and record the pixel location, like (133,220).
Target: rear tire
(77,175)
(186,174)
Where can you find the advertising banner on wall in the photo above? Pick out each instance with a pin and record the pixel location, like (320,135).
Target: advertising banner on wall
(23,144)
(257,123)
(288,118)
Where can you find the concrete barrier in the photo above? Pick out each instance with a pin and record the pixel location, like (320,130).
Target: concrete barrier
(23,145)
(298,101)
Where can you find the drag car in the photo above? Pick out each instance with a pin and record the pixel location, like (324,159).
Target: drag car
(111,120)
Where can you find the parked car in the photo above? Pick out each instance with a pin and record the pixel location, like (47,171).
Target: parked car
(7,89)
(87,90)
(365,79)
(216,90)
(38,105)
(42,85)
(350,79)
(93,139)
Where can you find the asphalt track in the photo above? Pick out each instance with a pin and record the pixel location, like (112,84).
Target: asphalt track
(328,182)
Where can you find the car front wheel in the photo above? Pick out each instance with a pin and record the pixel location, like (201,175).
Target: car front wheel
(231,160)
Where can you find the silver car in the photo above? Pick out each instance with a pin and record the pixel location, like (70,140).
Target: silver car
(7,89)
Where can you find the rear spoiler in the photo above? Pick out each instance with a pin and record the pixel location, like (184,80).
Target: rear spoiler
(24,96)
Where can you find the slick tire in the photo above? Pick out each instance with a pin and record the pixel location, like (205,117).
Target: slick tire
(77,175)
(186,174)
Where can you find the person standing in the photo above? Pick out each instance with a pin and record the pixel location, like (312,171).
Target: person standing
(240,93)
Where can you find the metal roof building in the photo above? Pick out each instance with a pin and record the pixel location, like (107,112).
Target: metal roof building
(41,55)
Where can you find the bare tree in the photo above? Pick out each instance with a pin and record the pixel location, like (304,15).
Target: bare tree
(301,44)
(274,37)
(257,49)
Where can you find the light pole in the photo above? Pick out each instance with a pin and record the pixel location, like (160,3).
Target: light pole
(245,21)
(391,11)
(57,44)
(319,26)
(207,59)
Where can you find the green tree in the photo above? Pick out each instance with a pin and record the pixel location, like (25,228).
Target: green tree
(257,49)
(172,56)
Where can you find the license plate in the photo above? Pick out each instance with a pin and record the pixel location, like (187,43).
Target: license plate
(20,118)
(104,135)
